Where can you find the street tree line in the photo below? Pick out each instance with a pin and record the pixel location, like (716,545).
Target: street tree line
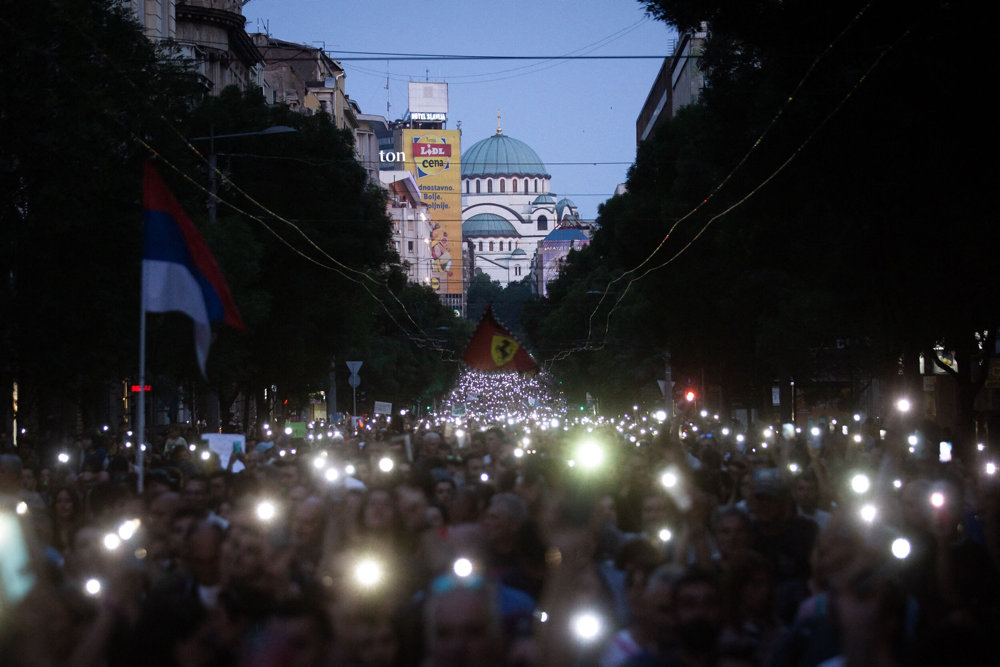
(85,99)
(879,231)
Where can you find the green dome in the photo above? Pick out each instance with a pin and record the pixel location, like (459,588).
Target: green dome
(543,199)
(518,251)
(501,155)
(487,224)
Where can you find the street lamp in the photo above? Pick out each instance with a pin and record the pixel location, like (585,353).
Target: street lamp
(212,136)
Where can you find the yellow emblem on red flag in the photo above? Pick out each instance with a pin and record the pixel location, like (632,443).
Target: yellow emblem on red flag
(502,349)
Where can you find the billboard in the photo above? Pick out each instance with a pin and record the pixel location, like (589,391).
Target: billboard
(428,97)
(434,158)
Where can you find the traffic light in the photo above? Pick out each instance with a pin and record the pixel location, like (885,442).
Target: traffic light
(690,395)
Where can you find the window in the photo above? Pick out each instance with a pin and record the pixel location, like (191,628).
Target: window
(480,246)
(491,246)
(503,185)
(543,223)
(510,245)
(409,247)
(489,185)
(466,187)
(517,270)
(536,185)
(409,225)
(477,186)
(514,189)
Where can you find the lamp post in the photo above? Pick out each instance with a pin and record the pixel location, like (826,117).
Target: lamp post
(212,136)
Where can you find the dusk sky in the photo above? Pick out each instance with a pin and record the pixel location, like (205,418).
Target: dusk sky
(576,111)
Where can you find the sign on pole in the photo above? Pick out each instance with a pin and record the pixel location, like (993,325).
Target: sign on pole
(383,408)
(354,381)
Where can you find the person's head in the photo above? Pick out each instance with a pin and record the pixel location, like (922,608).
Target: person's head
(656,511)
(378,512)
(749,589)
(444,491)
(161,514)
(657,600)
(85,556)
(731,529)
(805,491)
(180,526)
(638,559)
(307,524)
(495,437)
(697,608)
(298,632)
(461,618)
(502,521)
(474,467)
(202,546)
(245,549)
(769,496)
(29,481)
(411,503)
(218,487)
(196,494)
(65,505)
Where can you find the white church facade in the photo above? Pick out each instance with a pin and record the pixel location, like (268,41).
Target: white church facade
(508,209)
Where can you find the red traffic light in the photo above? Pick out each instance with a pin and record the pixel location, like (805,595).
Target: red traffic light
(689,396)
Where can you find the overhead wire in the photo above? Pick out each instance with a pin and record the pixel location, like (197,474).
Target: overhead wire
(793,96)
(337,266)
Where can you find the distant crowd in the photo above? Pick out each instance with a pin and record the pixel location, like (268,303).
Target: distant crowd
(505,547)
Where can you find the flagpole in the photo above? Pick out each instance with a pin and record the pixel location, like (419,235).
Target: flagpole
(141,408)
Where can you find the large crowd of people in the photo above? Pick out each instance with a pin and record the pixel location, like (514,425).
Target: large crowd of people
(506,546)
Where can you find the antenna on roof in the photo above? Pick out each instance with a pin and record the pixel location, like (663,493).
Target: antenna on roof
(388,104)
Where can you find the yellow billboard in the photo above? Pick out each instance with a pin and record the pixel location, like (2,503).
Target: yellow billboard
(434,158)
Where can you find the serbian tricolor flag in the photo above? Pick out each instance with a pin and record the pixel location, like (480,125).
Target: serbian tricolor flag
(493,348)
(178,270)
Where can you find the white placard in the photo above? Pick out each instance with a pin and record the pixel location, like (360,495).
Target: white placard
(223,445)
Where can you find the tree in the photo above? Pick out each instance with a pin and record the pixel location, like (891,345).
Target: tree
(81,87)
(754,283)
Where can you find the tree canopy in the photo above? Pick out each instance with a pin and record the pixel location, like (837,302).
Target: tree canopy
(302,237)
(823,188)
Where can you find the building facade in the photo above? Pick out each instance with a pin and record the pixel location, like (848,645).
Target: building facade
(411,224)
(211,35)
(678,83)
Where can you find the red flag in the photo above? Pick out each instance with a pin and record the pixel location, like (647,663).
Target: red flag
(493,348)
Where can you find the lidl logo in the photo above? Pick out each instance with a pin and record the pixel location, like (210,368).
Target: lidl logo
(431,155)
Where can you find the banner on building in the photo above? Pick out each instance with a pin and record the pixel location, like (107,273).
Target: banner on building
(434,158)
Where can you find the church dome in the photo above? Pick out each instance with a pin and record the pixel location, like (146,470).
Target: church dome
(543,199)
(501,155)
(487,224)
